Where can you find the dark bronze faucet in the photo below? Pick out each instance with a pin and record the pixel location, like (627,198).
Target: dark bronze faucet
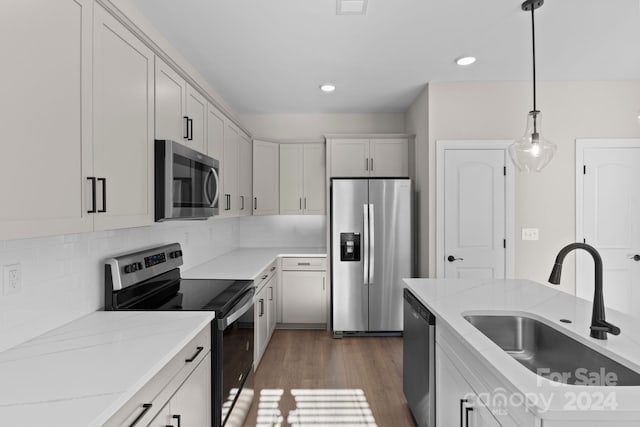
(599,326)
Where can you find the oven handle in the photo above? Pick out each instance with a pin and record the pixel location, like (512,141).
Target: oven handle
(214,174)
(245,304)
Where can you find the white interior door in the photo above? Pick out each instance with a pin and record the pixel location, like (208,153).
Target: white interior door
(611,222)
(473,220)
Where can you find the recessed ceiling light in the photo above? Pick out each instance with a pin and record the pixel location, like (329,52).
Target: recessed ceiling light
(327,87)
(466,60)
(351,7)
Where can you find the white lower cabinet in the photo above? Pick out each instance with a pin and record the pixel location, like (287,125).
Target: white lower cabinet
(304,291)
(178,396)
(457,404)
(191,404)
(265,311)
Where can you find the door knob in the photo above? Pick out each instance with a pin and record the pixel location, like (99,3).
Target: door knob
(451,258)
(635,257)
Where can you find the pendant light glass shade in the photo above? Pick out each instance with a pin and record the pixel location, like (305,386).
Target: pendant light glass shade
(531,153)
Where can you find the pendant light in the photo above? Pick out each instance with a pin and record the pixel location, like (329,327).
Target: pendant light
(531,153)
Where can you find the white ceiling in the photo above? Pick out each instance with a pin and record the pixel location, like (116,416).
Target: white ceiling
(270,56)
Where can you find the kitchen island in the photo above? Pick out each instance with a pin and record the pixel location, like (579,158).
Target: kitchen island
(499,390)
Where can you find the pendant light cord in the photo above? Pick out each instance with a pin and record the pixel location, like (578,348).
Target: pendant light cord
(533,44)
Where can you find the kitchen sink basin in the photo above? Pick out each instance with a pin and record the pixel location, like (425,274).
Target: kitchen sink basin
(552,354)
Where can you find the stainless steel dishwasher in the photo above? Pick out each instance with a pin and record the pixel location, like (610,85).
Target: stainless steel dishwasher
(418,377)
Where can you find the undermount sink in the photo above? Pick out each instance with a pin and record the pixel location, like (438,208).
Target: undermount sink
(551,354)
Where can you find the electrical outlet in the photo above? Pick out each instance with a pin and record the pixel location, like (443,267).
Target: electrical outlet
(12,283)
(530,234)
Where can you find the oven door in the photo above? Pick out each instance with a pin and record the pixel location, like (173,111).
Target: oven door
(188,183)
(235,363)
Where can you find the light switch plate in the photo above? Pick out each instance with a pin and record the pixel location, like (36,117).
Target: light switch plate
(12,279)
(530,234)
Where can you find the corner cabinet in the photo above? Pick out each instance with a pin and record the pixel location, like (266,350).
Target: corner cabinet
(371,156)
(123,126)
(181,111)
(266,177)
(302,179)
(46,152)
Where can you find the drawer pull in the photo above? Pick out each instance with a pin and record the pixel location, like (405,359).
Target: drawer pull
(145,409)
(192,358)
(177,418)
(272,268)
(304,263)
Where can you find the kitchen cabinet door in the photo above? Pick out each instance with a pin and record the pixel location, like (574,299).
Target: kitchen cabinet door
(261,324)
(389,157)
(265,178)
(350,157)
(215,133)
(123,85)
(245,174)
(229,199)
(304,297)
(314,178)
(192,401)
(291,178)
(45,117)
(197,113)
(170,108)
(272,311)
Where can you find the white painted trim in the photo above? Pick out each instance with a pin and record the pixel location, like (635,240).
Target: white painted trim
(581,145)
(480,144)
(367,135)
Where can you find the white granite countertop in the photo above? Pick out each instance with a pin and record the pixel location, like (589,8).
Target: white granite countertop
(246,263)
(80,374)
(450,299)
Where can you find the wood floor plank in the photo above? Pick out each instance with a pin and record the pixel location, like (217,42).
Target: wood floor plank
(314,360)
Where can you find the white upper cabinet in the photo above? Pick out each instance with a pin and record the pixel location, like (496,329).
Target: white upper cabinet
(302,179)
(265,178)
(230,197)
(46,153)
(369,157)
(181,111)
(245,174)
(215,133)
(123,125)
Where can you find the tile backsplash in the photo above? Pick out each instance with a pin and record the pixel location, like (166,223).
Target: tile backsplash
(283,231)
(63,276)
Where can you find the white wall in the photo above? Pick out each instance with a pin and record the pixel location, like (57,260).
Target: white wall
(416,123)
(283,231)
(63,276)
(546,200)
(314,126)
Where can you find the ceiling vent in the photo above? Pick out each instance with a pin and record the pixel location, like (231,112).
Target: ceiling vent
(351,7)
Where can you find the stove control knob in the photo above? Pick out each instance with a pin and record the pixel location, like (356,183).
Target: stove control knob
(127,269)
(139,266)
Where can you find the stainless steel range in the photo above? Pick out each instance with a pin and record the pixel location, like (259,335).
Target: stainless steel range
(150,280)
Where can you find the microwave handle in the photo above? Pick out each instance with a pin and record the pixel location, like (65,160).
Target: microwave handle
(213,173)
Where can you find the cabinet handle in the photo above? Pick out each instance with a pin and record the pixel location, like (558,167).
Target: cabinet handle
(104,194)
(467,410)
(190,130)
(255,203)
(192,358)
(186,127)
(366,164)
(261,308)
(270,293)
(241,203)
(371,161)
(177,418)
(145,409)
(323,283)
(305,203)
(93,194)
(300,203)
(304,263)
(462,402)
(272,268)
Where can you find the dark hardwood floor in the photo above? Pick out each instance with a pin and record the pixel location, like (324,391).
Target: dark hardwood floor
(354,381)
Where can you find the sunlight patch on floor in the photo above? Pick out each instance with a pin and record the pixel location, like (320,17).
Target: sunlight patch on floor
(316,408)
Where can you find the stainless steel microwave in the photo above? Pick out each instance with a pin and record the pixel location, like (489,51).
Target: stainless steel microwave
(187,183)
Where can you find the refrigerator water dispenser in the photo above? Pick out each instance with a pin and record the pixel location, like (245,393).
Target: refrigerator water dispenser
(349,246)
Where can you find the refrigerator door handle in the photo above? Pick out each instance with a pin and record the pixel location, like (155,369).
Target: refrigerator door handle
(365,257)
(371,243)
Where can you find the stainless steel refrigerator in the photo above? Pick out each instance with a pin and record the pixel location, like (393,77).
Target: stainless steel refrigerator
(371,252)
